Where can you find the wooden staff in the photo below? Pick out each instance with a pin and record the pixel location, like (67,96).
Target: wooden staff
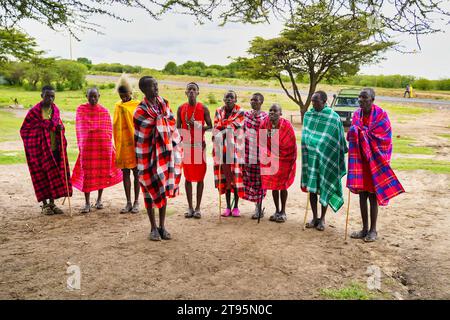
(306,210)
(348,210)
(220,196)
(65,170)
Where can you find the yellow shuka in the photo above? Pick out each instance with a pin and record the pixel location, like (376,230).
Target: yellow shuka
(123,130)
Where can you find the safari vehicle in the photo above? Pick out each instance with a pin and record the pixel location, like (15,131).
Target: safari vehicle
(345,103)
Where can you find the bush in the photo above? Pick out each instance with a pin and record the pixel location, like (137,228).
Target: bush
(423,84)
(211,98)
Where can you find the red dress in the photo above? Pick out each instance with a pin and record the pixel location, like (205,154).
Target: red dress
(194,163)
(367,175)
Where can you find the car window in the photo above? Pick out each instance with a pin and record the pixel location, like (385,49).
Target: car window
(347,102)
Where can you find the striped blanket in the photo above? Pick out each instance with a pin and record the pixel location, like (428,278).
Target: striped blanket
(373,144)
(47,173)
(95,167)
(234,157)
(158,151)
(323,156)
(253,190)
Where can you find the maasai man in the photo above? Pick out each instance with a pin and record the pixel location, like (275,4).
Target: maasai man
(369,172)
(95,167)
(323,158)
(191,117)
(228,152)
(41,132)
(253,190)
(123,129)
(278,159)
(159,154)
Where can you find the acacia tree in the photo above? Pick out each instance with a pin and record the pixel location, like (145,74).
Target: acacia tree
(15,44)
(317,44)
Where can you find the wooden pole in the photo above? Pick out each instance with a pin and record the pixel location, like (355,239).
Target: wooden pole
(306,210)
(65,170)
(346,220)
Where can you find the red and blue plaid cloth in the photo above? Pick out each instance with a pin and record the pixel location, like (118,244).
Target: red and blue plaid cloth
(253,190)
(47,173)
(372,144)
(158,152)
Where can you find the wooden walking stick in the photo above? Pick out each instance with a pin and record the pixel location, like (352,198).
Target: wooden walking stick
(65,171)
(220,196)
(346,220)
(306,210)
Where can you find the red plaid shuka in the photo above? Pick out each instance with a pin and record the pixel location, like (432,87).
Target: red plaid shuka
(47,173)
(95,168)
(253,190)
(235,146)
(158,151)
(372,144)
(278,168)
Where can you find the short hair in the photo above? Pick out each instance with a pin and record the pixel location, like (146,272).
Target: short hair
(47,88)
(231,91)
(143,80)
(276,104)
(193,83)
(261,97)
(322,94)
(92,88)
(123,89)
(370,91)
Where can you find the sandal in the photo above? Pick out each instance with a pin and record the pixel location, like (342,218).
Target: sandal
(135,208)
(258,213)
(274,216)
(99,205)
(312,224)
(226,212)
(165,235)
(154,235)
(320,225)
(189,213)
(281,217)
(359,234)
(86,209)
(55,209)
(236,212)
(197,214)
(126,209)
(371,236)
(47,210)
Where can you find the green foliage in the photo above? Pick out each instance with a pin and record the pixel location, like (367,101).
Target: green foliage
(317,44)
(211,98)
(87,62)
(18,45)
(41,71)
(170,68)
(116,67)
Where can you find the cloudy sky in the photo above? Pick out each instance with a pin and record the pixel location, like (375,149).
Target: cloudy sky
(179,38)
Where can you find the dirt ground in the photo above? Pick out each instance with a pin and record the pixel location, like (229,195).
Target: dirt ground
(232,258)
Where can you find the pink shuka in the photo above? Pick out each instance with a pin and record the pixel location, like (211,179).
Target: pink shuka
(95,167)
(372,144)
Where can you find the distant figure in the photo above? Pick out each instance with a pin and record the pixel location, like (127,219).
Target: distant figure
(407,91)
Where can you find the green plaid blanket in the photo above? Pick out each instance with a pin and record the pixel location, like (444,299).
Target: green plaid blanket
(323,152)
